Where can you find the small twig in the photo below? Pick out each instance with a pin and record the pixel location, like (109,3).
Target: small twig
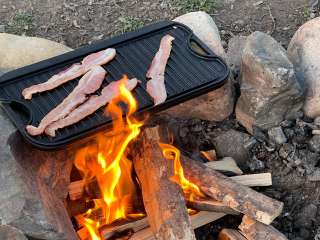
(273,20)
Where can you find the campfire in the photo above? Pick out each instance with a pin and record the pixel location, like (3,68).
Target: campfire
(134,162)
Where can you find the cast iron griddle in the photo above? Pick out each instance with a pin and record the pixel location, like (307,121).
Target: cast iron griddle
(188,74)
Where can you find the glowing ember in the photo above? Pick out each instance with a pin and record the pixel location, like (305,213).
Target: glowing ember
(190,189)
(105,161)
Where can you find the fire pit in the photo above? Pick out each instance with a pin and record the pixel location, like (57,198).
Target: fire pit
(136,174)
(110,190)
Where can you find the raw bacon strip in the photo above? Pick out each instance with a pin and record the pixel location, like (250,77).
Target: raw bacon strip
(155,86)
(93,104)
(76,70)
(88,84)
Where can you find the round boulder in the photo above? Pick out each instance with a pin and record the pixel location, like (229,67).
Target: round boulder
(304,53)
(217,104)
(18,51)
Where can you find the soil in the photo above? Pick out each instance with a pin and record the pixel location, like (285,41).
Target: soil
(78,22)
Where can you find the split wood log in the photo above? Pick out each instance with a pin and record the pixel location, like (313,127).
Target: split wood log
(197,220)
(230,234)
(210,205)
(227,164)
(210,155)
(106,232)
(254,180)
(163,199)
(232,194)
(83,234)
(254,230)
(79,206)
(76,190)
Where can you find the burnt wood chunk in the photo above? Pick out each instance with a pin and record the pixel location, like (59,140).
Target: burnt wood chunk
(230,193)
(163,199)
(230,234)
(254,230)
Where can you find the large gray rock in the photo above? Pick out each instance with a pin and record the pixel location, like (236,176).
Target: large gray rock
(232,144)
(18,51)
(32,183)
(234,55)
(218,104)
(304,52)
(270,91)
(11,233)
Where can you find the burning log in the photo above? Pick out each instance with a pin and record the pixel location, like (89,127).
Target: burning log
(230,234)
(253,230)
(163,199)
(231,193)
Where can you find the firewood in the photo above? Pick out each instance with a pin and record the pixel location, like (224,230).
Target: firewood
(197,220)
(76,190)
(227,164)
(107,231)
(230,234)
(79,206)
(254,180)
(254,230)
(211,155)
(83,234)
(163,199)
(210,206)
(232,194)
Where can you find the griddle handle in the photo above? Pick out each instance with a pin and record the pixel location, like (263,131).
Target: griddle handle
(200,49)
(18,106)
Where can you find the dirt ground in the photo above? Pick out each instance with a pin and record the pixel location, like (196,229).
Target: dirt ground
(79,22)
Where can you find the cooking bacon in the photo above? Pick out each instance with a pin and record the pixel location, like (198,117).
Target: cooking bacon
(88,84)
(93,104)
(156,86)
(76,70)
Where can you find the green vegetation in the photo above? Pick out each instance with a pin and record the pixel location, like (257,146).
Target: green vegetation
(129,23)
(194,5)
(306,12)
(20,23)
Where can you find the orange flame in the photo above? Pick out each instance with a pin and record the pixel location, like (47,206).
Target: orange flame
(105,161)
(190,189)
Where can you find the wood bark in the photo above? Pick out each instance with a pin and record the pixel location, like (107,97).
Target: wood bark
(230,193)
(163,199)
(254,230)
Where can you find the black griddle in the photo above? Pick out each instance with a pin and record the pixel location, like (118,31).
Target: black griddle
(188,75)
